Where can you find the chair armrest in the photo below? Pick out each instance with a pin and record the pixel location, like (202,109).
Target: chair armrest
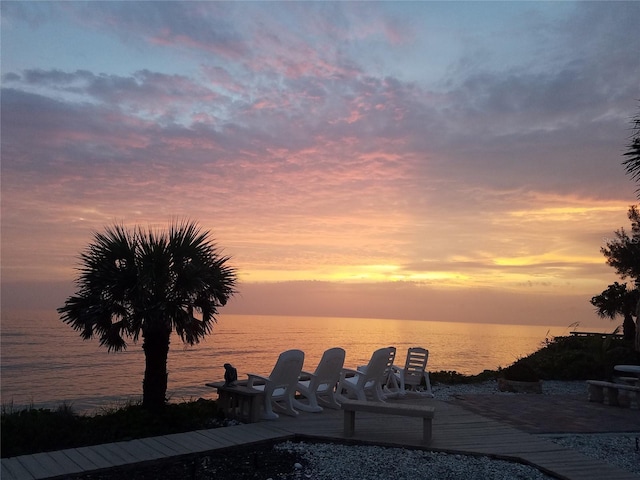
(349,372)
(306,376)
(254,376)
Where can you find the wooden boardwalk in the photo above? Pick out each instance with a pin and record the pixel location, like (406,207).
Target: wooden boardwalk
(454,430)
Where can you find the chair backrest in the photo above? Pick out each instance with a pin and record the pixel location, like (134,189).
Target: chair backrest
(415,365)
(379,365)
(387,369)
(331,363)
(287,369)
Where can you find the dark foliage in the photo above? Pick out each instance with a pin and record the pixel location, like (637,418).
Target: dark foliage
(623,252)
(38,430)
(581,358)
(616,300)
(520,371)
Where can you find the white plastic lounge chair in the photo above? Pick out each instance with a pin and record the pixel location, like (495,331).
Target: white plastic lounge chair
(369,379)
(410,377)
(321,386)
(280,386)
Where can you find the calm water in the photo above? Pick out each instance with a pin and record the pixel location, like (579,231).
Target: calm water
(44,362)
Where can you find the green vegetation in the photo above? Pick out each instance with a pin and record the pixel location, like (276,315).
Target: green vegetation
(36,430)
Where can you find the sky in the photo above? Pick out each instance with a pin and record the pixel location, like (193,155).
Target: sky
(447,161)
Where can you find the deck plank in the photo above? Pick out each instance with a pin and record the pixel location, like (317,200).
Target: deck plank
(81,459)
(157,444)
(141,450)
(120,452)
(13,469)
(32,464)
(96,456)
(172,442)
(66,463)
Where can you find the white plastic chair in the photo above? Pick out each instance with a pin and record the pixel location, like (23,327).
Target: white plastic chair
(280,386)
(410,377)
(369,379)
(321,386)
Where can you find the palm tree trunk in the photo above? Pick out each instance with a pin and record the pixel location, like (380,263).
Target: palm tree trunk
(156,350)
(637,342)
(629,327)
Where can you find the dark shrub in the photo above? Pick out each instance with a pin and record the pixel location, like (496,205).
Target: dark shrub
(520,371)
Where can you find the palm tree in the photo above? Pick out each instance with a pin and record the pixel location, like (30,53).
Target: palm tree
(632,163)
(142,282)
(618,300)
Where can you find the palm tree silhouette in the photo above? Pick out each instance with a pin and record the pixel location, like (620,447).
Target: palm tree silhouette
(618,300)
(143,282)
(632,162)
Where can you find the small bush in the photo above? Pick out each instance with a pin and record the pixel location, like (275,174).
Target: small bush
(520,371)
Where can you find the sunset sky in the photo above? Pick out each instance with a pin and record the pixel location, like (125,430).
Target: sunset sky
(454,161)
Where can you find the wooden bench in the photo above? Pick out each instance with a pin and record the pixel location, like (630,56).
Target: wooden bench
(239,401)
(350,408)
(617,394)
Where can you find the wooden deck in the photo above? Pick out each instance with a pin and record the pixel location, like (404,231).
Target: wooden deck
(454,430)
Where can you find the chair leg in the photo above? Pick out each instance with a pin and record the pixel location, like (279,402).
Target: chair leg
(428,384)
(350,389)
(288,401)
(268,414)
(312,406)
(393,387)
(330,401)
(377,393)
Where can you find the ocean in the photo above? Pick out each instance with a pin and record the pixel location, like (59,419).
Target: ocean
(44,363)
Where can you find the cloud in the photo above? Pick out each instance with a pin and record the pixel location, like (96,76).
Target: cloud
(318,141)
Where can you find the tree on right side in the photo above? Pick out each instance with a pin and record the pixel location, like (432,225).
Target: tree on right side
(623,254)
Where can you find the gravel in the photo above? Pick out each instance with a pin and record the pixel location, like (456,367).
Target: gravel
(341,462)
(551,387)
(621,450)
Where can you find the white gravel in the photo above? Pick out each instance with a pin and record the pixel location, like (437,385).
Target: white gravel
(550,387)
(338,462)
(325,461)
(621,450)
